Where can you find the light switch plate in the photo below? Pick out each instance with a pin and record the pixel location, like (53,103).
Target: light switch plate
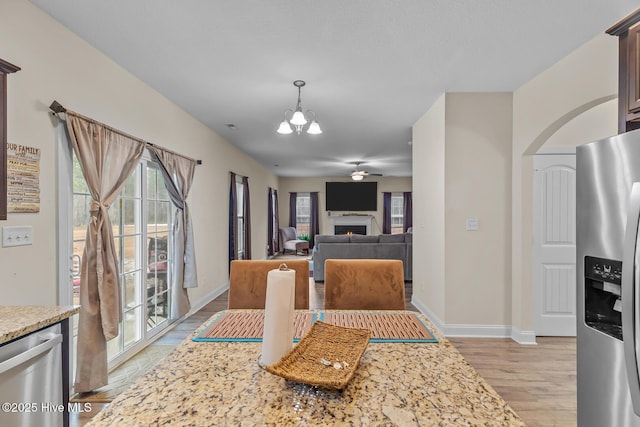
(472,224)
(17,236)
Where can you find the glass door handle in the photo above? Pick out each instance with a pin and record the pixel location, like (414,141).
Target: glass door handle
(76,263)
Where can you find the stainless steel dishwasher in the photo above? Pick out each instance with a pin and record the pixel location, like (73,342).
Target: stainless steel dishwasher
(31,387)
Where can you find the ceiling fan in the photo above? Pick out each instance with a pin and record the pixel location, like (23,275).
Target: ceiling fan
(358,175)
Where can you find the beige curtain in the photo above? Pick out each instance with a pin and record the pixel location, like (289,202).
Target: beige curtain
(178,174)
(107,159)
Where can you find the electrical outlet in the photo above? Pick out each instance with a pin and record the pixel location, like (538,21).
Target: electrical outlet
(472,224)
(17,236)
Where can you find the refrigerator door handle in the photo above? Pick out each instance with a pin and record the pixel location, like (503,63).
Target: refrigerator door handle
(631,297)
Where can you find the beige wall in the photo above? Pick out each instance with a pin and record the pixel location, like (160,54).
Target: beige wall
(57,65)
(477,185)
(579,82)
(597,123)
(307,185)
(570,103)
(428,151)
(462,167)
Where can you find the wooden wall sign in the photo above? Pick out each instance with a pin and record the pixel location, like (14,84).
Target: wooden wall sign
(23,179)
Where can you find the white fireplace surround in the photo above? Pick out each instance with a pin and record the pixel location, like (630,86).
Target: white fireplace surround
(365,220)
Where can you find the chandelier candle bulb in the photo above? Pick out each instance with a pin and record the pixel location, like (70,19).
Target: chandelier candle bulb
(298,118)
(277,338)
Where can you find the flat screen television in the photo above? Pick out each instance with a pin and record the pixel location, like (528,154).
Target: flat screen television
(351,196)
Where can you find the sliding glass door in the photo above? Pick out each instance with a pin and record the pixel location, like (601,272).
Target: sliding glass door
(141,217)
(159,215)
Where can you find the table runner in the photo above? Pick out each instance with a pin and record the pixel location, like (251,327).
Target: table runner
(248,326)
(384,326)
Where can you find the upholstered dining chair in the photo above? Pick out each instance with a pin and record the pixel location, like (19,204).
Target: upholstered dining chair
(363,284)
(248,282)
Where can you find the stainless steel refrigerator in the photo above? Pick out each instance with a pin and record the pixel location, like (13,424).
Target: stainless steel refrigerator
(608,280)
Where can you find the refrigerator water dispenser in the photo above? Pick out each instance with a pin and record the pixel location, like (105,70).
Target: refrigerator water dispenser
(602,293)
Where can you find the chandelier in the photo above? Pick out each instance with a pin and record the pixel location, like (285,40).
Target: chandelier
(298,118)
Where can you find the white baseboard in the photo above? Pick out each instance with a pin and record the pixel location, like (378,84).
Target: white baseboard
(523,337)
(476,331)
(201,302)
(435,320)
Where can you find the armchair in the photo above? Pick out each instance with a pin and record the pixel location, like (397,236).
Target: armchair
(291,242)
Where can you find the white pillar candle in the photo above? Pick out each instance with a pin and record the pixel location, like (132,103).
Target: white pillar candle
(277,338)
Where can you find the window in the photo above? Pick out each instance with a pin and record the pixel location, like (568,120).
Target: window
(303,213)
(141,217)
(274,237)
(397,213)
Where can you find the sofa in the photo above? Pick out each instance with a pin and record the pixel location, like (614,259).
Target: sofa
(356,246)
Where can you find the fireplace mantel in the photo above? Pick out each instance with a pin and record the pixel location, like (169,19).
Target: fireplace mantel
(365,220)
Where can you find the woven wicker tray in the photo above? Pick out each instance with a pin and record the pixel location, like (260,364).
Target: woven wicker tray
(324,343)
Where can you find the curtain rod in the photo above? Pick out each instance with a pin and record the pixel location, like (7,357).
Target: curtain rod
(57,108)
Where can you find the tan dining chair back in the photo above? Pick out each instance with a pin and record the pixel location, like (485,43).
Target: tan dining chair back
(248,282)
(363,284)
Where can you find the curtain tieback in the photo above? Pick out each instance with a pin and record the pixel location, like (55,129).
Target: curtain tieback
(96,206)
(98,214)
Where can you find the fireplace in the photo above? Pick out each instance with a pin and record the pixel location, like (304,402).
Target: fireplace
(356,224)
(350,229)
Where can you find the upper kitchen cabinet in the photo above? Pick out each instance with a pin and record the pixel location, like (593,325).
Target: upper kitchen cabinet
(628,33)
(5,69)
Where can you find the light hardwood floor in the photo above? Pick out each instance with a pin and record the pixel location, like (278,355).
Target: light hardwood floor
(539,382)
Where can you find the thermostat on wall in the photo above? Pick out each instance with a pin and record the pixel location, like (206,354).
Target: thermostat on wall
(472,224)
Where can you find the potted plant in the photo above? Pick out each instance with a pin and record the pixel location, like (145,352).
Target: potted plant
(305,237)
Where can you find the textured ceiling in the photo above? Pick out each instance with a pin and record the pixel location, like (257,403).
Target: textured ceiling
(372,67)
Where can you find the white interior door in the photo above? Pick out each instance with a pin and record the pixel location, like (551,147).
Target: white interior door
(554,245)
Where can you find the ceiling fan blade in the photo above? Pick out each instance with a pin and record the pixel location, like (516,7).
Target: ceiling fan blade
(361,172)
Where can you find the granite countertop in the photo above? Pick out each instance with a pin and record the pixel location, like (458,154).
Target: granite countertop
(20,320)
(221,383)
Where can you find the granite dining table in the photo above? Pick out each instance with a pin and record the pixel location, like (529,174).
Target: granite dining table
(395,384)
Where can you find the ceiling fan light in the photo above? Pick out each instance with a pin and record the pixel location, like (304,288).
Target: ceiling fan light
(298,118)
(357,177)
(314,128)
(284,128)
